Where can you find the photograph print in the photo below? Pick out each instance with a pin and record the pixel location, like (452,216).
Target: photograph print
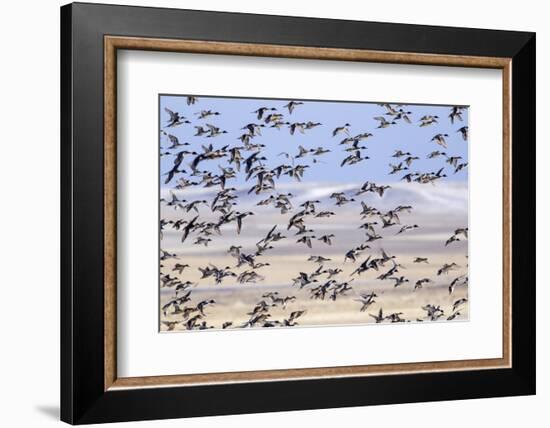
(296,213)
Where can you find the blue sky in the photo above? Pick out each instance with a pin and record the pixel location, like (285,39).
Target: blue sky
(237,112)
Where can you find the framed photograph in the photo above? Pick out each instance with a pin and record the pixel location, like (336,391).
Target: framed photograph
(266,213)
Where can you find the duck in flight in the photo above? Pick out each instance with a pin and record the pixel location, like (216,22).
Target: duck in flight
(420,283)
(203,114)
(456,113)
(327,239)
(464,132)
(260,111)
(292,105)
(428,120)
(378,318)
(366,300)
(341,130)
(175,119)
(446,268)
(397,168)
(440,139)
(383,122)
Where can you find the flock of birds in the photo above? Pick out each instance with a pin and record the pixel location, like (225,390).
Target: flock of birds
(246,158)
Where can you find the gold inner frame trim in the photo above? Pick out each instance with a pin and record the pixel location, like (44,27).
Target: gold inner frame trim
(113,43)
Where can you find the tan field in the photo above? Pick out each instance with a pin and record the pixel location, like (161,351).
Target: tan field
(438,216)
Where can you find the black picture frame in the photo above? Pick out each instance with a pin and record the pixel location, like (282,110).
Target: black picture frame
(83,398)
